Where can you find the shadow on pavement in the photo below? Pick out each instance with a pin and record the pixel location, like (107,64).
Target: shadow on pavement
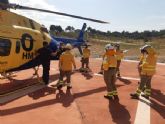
(119,113)
(65,98)
(87,75)
(61,97)
(19,84)
(42,93)
(157,102)
(125,81)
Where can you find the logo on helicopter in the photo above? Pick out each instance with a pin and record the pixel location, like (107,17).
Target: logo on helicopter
(28,48)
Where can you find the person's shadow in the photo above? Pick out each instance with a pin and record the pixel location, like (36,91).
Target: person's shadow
(125,81)
(119,113)
(65,98)
(87,74)
(42,93)
(158,95)
(157,102)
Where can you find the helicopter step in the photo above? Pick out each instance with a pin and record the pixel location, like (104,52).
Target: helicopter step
(14,94)
(7,76)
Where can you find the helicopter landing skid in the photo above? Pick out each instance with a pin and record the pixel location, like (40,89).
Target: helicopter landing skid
(7,76)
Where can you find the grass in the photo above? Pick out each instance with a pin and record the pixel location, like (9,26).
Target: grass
(133,47)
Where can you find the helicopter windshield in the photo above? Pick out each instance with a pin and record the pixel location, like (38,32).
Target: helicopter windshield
(5,47)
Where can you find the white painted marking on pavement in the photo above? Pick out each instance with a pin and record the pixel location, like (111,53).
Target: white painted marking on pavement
(96,74)
(129,78)
(143,112)
(138,61)
(135,61)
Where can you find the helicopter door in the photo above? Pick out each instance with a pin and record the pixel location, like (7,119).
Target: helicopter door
(5,48)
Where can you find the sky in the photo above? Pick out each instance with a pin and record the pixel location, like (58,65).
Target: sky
(123,15)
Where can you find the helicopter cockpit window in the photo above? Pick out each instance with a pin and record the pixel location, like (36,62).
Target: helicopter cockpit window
(5,47)
(18,45)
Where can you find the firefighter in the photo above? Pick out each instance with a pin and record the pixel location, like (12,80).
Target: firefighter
(65,66)
(142,57)
(148,69)
(120,56)
(85,58)
(109,67)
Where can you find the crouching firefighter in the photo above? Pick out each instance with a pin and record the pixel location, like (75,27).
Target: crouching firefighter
(148,69)
(109,71)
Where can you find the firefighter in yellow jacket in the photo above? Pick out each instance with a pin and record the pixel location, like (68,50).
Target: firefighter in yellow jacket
(85,58)
(148,69)
(120,56)
(141,59)
(65,66)
(109,67)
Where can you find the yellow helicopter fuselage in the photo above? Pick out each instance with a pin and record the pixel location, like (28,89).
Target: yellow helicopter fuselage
(20,38)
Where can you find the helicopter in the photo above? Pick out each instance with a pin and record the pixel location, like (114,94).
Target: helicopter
(76,43)
(21,37)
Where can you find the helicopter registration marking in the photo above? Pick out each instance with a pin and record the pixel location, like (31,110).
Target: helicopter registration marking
(27,55)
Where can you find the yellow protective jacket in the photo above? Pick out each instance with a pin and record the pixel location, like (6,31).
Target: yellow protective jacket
(141,58)
(66,61)
(119,54)
(149,65)
(109,61)
(86,53)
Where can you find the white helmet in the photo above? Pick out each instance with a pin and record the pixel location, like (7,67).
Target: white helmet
(109,47)
(145,47)
(68,46)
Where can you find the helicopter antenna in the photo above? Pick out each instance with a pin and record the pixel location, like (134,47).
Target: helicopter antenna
(16,6)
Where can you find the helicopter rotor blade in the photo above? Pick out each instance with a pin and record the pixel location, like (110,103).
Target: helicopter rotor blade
(15,6)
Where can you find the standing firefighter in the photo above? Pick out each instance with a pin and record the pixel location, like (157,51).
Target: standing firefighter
(109,67)
(142,58)
(65,66)
(119,56)
(148,69)
(85,58)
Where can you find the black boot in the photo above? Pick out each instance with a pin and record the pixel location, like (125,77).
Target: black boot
(118,75)
(116,97)
(145,96)
(108,97)
(134,96)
